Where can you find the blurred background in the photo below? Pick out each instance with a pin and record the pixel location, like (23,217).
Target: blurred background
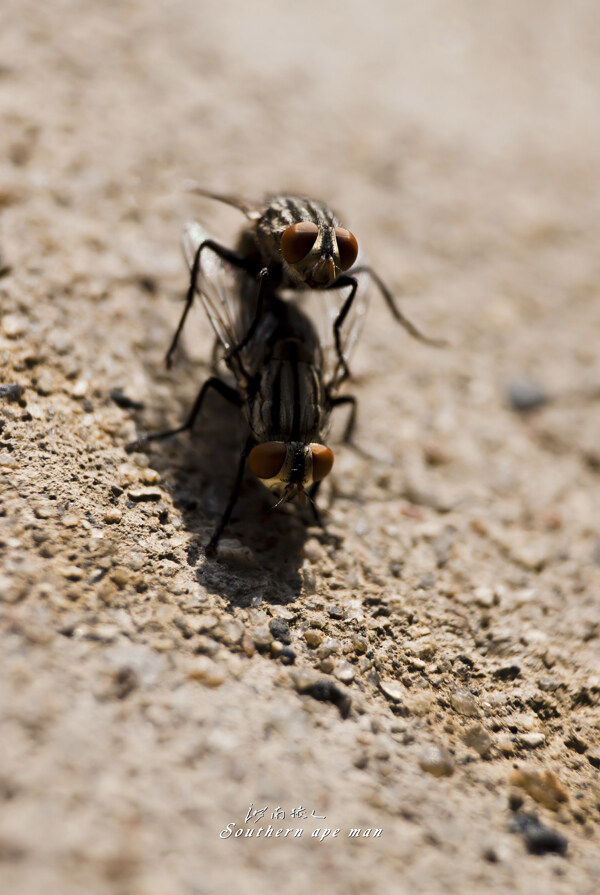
(460,144)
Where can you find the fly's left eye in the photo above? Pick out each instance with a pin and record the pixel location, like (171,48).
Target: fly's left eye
(265,460)
(347,247)
(322,459)
(298,240)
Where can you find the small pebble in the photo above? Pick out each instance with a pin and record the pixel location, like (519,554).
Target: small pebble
(150,476)
(539,839)
(287,656)
(207,672)
(276,648)
(524,395)
(344,672)
(12,391)
(328,648)
(280,630)
(72,573)
(111,517)
(336,612)
(14,325)
(576,743)
(248,645)
(393,690)
(313,637)
(80,388)
(123,401)
(507,672)
(12,590)
(262,637)
(436,760)
(361,759)
(359,644)
(464,703)
(531,740)
(229,632)
(205,645)
(139,495)
(70,520)
(506,744)
(477,738)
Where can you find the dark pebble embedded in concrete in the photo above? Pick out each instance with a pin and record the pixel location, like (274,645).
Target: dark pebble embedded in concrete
(524,395)
(539,839)
(336,612)
(123,401)
(507,672)
(280,630)
(12,391)
(141,495)
(287,656)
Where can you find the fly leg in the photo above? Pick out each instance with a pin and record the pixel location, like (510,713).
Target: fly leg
(389,298)
(351,424)
(312,496)
(234,258)
(215,383)
(211,547)
(339,283)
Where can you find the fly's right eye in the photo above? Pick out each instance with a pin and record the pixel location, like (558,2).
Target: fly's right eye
(322,458)
(265,460)
(298,240)
(347,247)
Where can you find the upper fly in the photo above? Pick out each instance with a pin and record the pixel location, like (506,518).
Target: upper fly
(293,242)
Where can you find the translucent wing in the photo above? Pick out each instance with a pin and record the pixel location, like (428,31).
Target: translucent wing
(324,308)
(228,295)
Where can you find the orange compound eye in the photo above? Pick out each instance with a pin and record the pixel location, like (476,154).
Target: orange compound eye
(322,459)
(266,460)
(298,240)
(347,247)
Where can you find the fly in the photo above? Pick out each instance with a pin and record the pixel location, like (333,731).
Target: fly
(296,243)
(284,379)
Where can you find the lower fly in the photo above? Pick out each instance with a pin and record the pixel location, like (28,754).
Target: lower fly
(296,243)
(284,380)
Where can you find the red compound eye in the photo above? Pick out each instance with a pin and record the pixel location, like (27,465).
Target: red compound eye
(347,247)
(322,459)
(265,460)
(298,240)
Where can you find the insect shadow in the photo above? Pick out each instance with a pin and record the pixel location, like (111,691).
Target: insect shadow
(264,562)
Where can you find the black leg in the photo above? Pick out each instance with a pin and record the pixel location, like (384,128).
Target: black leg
(312,494)
(340,283)
(389,298)
(211,547)
(351,424)
(218,385)
(234,258)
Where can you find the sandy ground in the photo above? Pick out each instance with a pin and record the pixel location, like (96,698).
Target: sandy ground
(450,620)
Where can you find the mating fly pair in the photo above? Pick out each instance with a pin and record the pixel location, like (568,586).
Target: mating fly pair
(286,374)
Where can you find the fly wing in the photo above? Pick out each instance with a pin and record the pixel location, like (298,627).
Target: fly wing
(229,296)
(324,310)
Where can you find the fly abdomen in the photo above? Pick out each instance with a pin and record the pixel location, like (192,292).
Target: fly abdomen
(288,405)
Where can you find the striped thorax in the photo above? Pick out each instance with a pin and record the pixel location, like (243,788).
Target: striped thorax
(306,238)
